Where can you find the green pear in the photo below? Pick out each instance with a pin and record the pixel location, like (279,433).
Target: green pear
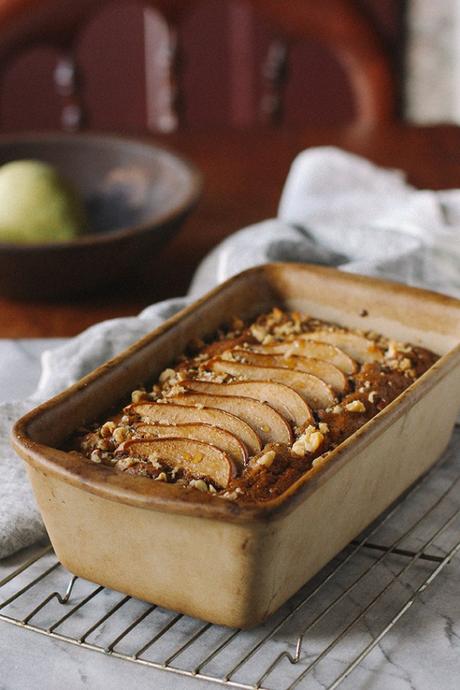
(37,205)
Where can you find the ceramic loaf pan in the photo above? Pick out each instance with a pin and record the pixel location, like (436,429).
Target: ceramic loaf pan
(209,557)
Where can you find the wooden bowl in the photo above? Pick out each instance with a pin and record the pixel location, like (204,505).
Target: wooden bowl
(136,194)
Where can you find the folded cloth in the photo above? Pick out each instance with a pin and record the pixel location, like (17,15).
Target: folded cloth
(339,209)
(336,209)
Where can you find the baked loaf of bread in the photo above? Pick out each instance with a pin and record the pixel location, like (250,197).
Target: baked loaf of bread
(246,415)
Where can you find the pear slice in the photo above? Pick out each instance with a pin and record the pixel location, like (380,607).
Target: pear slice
(311,348)
(356,346)
(282,398)
(325,371)
(195,457)
(220,438)
(314,391)
(267,422)
(168,413)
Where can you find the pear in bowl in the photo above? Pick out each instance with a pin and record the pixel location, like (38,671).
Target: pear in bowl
(37,205)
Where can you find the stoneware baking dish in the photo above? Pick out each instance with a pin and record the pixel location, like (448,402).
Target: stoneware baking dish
(207,556)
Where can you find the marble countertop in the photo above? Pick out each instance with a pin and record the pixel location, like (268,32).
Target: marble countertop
(422,651)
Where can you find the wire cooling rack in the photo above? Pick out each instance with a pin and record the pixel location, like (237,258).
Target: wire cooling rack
(317,639)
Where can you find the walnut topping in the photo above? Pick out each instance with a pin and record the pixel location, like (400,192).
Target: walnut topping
(266,473)
(139,395)
(166,375)
(309,442)
(266,459)
(177,389)
(405,364)
(258,331)
(288,328)
(124,463)
(298,447)
(120,434)
(95,456)
(355,406)
(392,350)
(107,429)
(232,495)
(199,484)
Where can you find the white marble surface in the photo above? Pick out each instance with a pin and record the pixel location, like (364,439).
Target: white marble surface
(422,652)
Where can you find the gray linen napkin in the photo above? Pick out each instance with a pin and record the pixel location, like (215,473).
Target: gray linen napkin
(336,209)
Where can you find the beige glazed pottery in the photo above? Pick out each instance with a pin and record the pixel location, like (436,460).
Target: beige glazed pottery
(212,558)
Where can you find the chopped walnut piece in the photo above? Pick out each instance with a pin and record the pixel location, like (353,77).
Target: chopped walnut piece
(355,406)
(107,429)
(161,477)
(258,331)
(95,456)
(308,442)
(232,495)
(392,350)
(199,484)
(139,395)
(405,364)
(120,434)
(266,460)
(166,375)
(124,463)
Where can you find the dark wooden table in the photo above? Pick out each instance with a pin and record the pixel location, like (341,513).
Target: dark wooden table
(244,174)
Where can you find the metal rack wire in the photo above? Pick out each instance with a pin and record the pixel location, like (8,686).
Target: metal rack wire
(348,608)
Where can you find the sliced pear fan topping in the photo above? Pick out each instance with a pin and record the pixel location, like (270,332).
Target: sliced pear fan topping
(198,459)
(325,371)
(169,413)
(314,391)
(269,424)
(311,348)
(282,398)
(220,438)
(356,346)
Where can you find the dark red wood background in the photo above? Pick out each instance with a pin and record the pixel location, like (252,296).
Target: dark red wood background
(223,45)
